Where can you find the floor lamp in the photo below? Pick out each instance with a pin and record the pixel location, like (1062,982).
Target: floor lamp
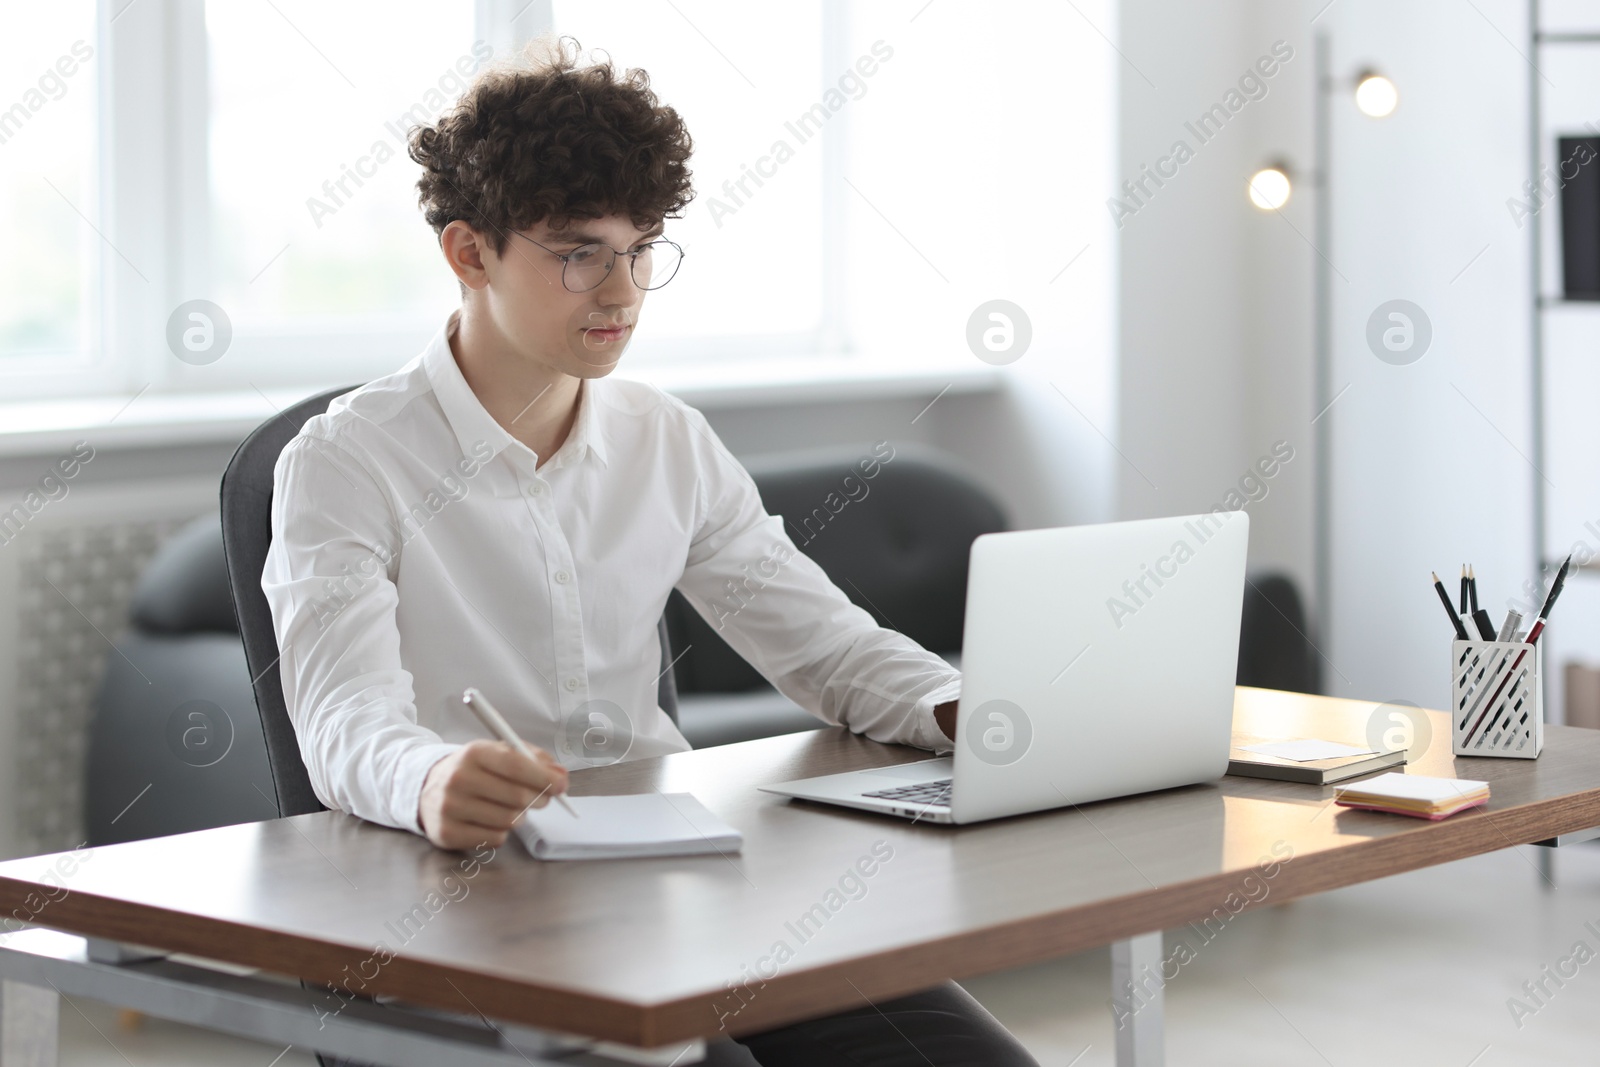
(1376,97)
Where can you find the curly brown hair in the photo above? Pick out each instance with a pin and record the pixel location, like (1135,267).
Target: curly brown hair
(547,139)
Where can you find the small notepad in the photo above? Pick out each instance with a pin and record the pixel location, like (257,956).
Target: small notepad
(642,824)
(1414,794)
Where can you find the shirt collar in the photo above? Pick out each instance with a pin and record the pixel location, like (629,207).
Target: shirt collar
(588,432)
(471,422)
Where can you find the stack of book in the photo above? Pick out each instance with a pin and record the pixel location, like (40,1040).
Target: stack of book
(1309,760)
(1413,794)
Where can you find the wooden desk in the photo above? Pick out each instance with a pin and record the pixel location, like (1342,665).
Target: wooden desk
(644,952)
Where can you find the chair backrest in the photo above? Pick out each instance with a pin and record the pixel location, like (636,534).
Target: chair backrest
(246,536)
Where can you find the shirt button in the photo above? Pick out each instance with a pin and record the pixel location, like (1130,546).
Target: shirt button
(572,683)
(562,576)
(535,489)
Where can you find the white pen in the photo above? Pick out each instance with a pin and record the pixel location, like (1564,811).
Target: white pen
(497,725)
(1508,629)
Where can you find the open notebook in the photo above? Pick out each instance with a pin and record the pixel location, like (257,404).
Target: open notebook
(642,824)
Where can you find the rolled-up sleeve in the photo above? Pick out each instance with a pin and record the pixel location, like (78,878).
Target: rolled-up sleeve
(329,580)
(779,610)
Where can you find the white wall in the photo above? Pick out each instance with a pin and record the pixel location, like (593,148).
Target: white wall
(1431,460)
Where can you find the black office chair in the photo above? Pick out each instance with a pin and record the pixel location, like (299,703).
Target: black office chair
(246,535)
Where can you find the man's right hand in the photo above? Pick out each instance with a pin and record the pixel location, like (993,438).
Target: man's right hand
(473,795)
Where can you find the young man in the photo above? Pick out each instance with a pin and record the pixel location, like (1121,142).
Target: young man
(500,513)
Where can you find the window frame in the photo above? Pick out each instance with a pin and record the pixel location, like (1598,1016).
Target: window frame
(152,140)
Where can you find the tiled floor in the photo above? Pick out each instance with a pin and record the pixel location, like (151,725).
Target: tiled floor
(1413,970)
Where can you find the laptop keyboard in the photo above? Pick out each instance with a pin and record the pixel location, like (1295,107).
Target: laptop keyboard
(937,793)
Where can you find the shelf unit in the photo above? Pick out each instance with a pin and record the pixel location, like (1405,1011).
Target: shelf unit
(1542,303)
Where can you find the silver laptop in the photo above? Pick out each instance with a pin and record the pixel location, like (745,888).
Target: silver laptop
(1097,662)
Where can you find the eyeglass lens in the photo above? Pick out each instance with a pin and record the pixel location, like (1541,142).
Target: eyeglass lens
(653,265)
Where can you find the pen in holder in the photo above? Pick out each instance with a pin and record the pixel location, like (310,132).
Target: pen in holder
(1497,690)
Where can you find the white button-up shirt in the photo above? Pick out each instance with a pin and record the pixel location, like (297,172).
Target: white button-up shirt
(418,549)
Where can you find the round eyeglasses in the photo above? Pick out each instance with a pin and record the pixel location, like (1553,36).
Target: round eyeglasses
(587,266)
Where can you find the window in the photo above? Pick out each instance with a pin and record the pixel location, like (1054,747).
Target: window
(307,233)
(48,185)
(314,225)
(259,159)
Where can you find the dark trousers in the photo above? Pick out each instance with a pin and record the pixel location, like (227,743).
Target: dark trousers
(942,1027)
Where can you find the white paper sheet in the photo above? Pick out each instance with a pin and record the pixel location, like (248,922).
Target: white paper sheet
(1307,749)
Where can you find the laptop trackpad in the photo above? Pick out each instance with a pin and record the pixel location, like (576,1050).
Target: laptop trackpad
(922,771)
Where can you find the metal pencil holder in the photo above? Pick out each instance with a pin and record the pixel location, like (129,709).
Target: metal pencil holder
(1498,702)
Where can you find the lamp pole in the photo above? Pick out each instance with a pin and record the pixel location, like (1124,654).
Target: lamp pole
(1322,344)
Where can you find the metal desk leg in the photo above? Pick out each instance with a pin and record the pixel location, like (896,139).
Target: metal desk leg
(1137,1003)
(29,1025)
